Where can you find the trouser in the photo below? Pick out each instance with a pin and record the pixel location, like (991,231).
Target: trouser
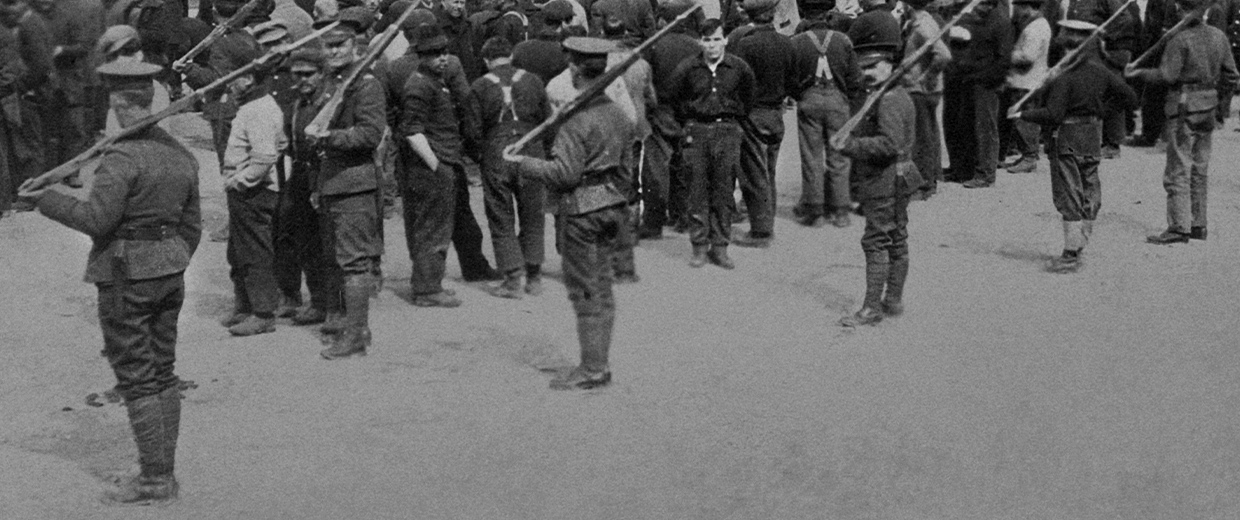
(65,122)
(1017,135)
(220,128)
(958,130)
(711,152)
(466,235)
(298,246)
(885,243)
(503,187)
(1188,164)
(655,180)
(1153,117)
(927,154)
(586,243)
(624,258)
(986,132)
(824,171)
(1115,120)
(27,153)
(430,209)
(251,254)
(351,244)
(8,188)
(1075,187)
(759,152)
(139,323)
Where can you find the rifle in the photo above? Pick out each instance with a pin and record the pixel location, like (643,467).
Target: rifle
(216,33)
(69,168)
(1195,14)
(597,87)
(332,108)
(1070,59)
(841,136)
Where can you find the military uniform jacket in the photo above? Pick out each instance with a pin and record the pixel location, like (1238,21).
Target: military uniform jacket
(587,169)
(146,186)
(880,147)
(1082,91)
(1196,64)
(348,151)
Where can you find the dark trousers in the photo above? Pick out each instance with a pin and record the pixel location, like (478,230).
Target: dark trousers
(958,131)
(1075,187)
(25,141)
(430,209)
(712,151)
(759,151)
(1115,121)
(927,154)
(298,247)
(65,124)
(886,222)
(139,323)
(655,180)
(1017,135)
(511,200)
(466,235)
(349,227)
(587,243)
(824,171)
(986,132)
(220,128)
(624,258)
(251,253)
(1153,117)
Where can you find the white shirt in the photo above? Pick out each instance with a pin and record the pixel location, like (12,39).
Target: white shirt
(257,135)
(1032,45)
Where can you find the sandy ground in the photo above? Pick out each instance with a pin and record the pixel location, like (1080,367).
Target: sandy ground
(1005,392)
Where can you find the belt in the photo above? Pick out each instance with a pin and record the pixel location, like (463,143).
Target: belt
(146,233)
(1079,120)
(709,120)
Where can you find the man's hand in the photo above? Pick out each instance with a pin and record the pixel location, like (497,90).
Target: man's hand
(314,200)
(28,191)
(179,67)
(233,183)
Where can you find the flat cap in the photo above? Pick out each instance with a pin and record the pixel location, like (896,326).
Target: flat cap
(306,56)
(557,11)
(127,75)
(871,53)
(673,8)
(758,6)
(420,16)
(269,32)
(587,46)
(1078,25)
(353,19)
(429,37)
(115,38)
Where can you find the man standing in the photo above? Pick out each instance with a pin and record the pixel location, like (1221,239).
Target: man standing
(829,78)
(976,75)
(74,26)
(885,177)
(143,217)
(712,93)
(1073,107)
(585,173)
(12,69)
(510,103)
(925,85)
(24,107)
(1197,64)
(454,21)
(1029,68)
(347,189)
(770,56)
(255,142)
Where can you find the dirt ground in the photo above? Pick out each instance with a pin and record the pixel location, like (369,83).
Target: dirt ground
(1004,392)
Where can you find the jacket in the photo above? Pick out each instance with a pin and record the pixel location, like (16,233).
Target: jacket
(881,146)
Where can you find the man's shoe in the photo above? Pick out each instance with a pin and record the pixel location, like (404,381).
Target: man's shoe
(22,206)
(439,299)
(234,318)
(1168,237)
(533,285)
(333,324)
(352,343)
(253,325)
(1066,263)
(750,240)
(143,491)
(699,256)
(288,307)
(865,316)
(1197,233)
(977,183)
(719,257)
(840,219)
(812,220)
(650,233)
(1025,165)
(892,309)
(511,288)
(581,379)
(1110,152)
(309,316)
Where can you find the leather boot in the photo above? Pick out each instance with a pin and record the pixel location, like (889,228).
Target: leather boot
(699,255)
(356,335)
(719,256)
(533,279)
(897,272)
(594,335)
(156,421)
(510,288)
(876,271)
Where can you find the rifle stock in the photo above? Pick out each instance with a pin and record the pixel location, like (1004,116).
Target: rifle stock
(73,165)
(597,87)
(332,108)
(234,21)
(1069,59)
(841,136)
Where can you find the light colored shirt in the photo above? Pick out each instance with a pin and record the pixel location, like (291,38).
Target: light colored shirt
(560,91)
(1032,46)
(256,141)
(927,74)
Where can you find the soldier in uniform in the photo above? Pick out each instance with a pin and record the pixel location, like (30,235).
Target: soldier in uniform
(511,102)
(713,93)
(143,217)
(1197,64)
(885,176)
(584,175)
(347,190)
(25,110)
(1073,107)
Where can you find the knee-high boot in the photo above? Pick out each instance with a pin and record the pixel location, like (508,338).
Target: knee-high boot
(876,271)
(594,335)
(356,335)
(156,422)
(896,274)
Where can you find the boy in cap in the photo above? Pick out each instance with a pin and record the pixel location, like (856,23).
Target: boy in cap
(511,102)
(585,174)
(1198,64)
(1073,105)
(347,190)
(884,175)
(143,216)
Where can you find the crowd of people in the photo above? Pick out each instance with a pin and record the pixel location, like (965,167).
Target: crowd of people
(317,146)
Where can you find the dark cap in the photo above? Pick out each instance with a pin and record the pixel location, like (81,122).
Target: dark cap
(269,32)
(127,75)
(420,16)
(557,11)
(496,47)
(429,37)
(758,6)
(871,53)
(115,38)
(589,47)
(306,56)
(673,8)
